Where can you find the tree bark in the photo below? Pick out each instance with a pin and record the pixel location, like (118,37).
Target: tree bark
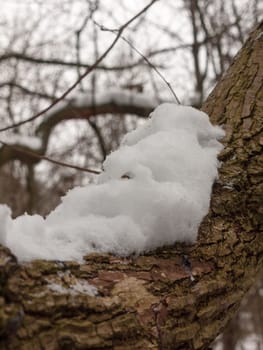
(178,297)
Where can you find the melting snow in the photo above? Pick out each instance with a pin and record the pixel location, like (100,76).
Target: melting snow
(155,190)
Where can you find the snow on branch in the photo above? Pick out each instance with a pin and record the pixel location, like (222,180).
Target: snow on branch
(154,191)
(82,106)
(119,33)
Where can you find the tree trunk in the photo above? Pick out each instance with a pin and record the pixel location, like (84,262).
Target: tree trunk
(179,297)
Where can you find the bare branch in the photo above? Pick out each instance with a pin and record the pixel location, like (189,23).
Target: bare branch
(149,63)
(153,67)
(30,154)
(111,103)
(27,91)
(115,103)
(71,64)
(93,7)
(88,71)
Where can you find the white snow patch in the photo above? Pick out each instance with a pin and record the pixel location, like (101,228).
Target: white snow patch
(120,97)
(75,287)
(32,142)
(81,287)
(116,96)
(171,164)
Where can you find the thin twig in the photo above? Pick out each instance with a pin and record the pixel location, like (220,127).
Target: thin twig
(70,64)
(13,84)
(48,159)
(90,69)
(153,67)
(149,63)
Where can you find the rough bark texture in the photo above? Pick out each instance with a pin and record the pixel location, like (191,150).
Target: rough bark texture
(179,297)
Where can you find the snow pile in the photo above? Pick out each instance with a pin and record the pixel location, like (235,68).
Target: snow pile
(155,190)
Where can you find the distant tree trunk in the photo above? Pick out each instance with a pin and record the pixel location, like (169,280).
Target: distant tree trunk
(179,297)
(229,337)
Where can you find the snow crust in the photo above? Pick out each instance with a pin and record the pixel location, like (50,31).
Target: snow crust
(154,190)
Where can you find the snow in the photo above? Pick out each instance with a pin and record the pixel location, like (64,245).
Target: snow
(74,289)
(32,142)
(119,97)
(154,191)
(115,96)
(79,287)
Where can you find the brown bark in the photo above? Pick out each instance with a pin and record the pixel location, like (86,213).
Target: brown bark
(179,297)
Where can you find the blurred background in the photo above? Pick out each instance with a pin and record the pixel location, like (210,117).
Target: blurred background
(45,46)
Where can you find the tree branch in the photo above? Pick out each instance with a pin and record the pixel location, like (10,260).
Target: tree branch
(88,71)
(116,102)
(31,157)
(70,64)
